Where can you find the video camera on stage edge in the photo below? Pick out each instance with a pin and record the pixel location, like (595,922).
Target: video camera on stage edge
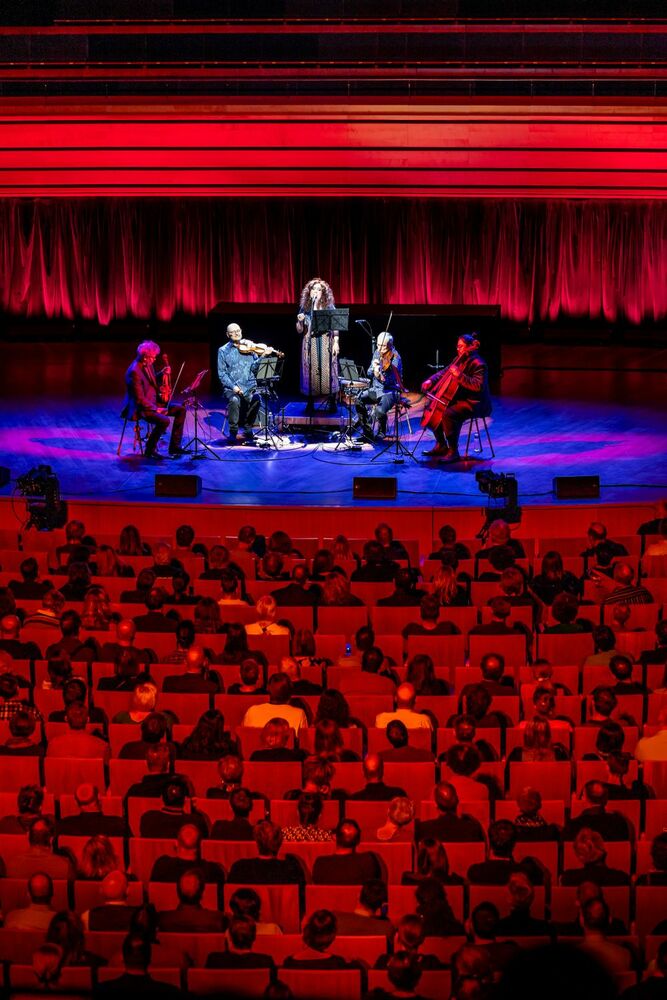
(502,490)
(45,508)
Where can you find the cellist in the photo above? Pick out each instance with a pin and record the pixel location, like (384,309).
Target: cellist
(454,395)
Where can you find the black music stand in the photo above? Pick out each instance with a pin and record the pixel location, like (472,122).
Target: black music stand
(191,401)
(325,321)
(398,449)
(348,372)
(268,372)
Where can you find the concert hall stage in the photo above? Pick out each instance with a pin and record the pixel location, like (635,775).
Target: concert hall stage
(553,417)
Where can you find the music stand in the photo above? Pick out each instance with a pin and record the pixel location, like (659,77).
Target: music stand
(268,372)
(325,321)
(348,372)
(191,399)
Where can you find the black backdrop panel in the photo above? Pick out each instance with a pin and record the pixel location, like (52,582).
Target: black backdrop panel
(424,336)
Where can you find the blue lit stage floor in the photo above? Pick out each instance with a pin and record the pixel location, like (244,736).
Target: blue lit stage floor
(553,430)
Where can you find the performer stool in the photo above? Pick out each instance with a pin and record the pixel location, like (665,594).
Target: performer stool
(141,434)
(475,420)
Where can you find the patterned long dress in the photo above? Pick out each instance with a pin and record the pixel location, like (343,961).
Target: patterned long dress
(319,377)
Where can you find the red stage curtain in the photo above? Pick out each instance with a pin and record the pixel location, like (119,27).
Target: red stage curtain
(109,259)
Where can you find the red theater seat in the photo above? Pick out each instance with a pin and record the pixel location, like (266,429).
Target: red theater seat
(619,855)
(553,811)
(650,908)
(447,650)
(499,896)
(564,902)
(341,621)
(656,817)
(552,779)
(14,893)
(18,771)
(284,812)
(402,900)
(170,976)
(87,895)
(71,980)
(335,984)
(353,739)
(63,775)
(165,896)
(512,647)
(75,846)
(564,648)
(228,982)
(433,984)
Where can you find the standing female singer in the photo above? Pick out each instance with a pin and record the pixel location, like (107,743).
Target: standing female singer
(385,372)
(319,352)
(148,397)
(466,395)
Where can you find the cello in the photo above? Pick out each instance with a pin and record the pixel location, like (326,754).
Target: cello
(446,389)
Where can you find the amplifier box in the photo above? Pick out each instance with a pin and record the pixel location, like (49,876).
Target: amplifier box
(177,486)
(374,488)
(577,487)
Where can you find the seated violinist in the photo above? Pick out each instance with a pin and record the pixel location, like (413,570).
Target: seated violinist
(385,372)
(454,395)
(148,398)
(236,371)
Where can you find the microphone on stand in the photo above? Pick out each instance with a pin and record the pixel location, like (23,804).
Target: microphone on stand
(361,321)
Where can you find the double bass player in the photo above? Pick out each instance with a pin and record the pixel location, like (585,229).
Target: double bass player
(454,395)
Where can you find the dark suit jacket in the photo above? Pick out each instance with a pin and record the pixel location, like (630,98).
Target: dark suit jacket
(346,869)
(450,828)
(610,825)
(191,684)
(267,871)
(600,874)
(232,829)
(234,960)
(155,621)
(111,917)
(376,792)
(294,596)
(131,987)
(187,917)
(167,823)
(141,390)
(92,825)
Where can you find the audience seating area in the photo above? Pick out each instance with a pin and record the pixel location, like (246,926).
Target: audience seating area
(563,660)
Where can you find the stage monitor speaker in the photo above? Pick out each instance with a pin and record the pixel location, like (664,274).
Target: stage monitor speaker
(177,486)
(577,487)
(5,475)
(374,488)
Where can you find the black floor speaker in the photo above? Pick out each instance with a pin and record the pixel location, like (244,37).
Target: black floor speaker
(577,487)
(177,486)
(5,475)
(374,488)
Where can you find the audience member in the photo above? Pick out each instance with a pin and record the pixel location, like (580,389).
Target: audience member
(501,863)
(37,915)
(589,849)
(319,933)
(40,855)
(375,789)
(404,711)
(267,868)
(190,916)
(448,826)
(346,866)
(240,954)
(90,820)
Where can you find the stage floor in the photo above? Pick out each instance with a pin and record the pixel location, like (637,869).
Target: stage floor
(546,423)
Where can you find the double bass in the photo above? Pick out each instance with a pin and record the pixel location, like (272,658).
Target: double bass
(446,389)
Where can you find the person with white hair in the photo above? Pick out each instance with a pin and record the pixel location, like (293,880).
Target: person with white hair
(386,374)
(148,398)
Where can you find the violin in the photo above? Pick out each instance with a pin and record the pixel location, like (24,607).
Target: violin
(446,388)
(386,363)
(261,350)
(164,389)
